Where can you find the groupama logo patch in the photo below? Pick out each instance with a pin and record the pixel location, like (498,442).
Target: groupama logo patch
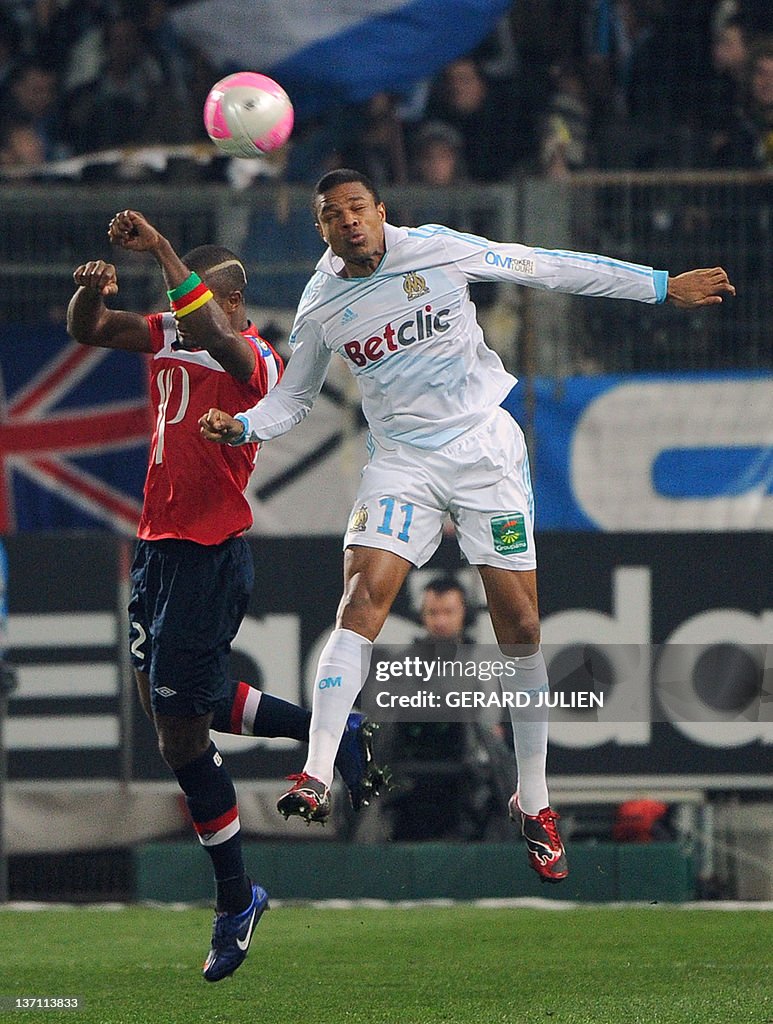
(509,534)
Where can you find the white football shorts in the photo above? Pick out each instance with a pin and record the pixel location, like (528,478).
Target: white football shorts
(481,479)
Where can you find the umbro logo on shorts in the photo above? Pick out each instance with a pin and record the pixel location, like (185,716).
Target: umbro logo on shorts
(164,691)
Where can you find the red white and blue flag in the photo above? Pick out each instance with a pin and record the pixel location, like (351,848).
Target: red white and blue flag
(74,430)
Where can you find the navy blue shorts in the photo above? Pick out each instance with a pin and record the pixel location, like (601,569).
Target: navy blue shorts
(187,603)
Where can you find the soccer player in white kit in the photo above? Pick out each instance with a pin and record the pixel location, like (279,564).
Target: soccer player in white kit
(395,303)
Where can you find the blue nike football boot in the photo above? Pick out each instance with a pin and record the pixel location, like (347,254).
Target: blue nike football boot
(231,936)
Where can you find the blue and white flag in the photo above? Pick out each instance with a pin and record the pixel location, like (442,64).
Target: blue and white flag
(337,51)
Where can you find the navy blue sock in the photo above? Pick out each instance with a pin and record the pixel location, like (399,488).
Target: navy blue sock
(211,798)
(247,711)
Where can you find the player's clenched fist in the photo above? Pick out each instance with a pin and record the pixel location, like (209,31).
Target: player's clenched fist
(131,230)
(218,426)
(97,275)
(703,287)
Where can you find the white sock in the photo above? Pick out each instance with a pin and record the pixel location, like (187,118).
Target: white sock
(530,733)
(343,667)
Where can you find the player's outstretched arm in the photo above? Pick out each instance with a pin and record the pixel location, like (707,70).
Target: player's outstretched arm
(90,322)
(285,405)
(206,327)
(699,288)
(219,427)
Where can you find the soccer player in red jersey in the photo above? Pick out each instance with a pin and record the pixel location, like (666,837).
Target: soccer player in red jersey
(192,573)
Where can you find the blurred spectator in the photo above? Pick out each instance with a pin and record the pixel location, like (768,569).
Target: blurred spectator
(565,143)
(730,50)
(20,146)
(378,147)
(29,96)
(750,136)
(437,157)
(723,85)
(317,143)
(72,40)
(755,15)
(129,102)
(496,129)
(642,821)
(438,162)
(163,40)
(32,20)
(187,72)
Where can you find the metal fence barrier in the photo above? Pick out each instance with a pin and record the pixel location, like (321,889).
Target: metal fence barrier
(671,221)
(676,222)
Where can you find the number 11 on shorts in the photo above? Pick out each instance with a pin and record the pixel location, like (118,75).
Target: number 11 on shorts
(388,505)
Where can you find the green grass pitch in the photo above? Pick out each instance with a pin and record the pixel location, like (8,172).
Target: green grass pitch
(460,964)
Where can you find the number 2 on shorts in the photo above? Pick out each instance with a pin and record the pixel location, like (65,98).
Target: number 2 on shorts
(388,504)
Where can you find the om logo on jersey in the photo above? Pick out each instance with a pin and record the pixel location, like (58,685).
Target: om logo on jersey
(414,285)
(518,266)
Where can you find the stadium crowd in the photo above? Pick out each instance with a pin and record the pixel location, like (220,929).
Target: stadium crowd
(561,86)
(107,92)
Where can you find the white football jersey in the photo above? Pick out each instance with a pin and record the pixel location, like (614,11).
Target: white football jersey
(409,334)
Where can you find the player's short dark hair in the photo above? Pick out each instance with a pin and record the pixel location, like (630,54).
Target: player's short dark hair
(445,585)
(229,275)
(343,176)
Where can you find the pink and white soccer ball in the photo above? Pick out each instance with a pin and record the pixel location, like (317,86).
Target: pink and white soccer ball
(247,114)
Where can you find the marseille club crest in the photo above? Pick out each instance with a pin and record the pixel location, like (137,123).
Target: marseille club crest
(359,519)
(414,285)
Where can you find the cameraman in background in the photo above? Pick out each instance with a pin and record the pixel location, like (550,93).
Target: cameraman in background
(445,772)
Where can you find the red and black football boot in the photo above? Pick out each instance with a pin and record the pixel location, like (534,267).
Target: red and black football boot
(545,850)
(309,798)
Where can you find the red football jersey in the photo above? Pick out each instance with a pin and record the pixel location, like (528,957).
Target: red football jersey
(194,489)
